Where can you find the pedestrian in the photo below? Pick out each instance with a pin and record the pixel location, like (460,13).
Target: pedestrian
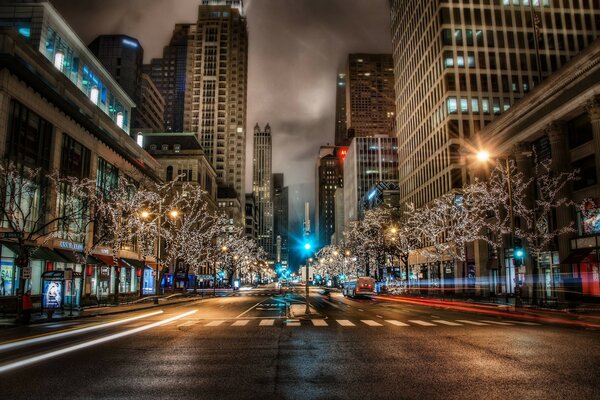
(27,306)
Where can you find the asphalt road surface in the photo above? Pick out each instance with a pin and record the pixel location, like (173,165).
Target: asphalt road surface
(244,346)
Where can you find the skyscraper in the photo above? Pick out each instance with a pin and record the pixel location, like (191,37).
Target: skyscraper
(341,130)
(370,160)
(169,74)
(369,95)
(262,186)
(215,93)
(280,219)
(203,79)
(330,176)
(459,65)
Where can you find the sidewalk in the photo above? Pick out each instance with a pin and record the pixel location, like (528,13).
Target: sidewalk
(89,312)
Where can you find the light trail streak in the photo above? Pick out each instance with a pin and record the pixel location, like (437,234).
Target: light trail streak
(66,350)
(70,332)
(486,309)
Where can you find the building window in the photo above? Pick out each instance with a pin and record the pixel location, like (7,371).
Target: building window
(107,176)
(75,158)
(587,172)
(579,131)
(177,148)
(452,105)
(169,176)
(29,137)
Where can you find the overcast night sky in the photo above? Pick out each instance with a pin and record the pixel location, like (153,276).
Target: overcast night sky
(295,49)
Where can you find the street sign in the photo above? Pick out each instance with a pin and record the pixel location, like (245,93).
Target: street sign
(27,273)
(11,235)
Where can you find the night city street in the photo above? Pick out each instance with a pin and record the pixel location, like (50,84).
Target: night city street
(242,346)
(300,199)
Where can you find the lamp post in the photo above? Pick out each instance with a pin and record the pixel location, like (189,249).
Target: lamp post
(483,156)
(307,247)
(145,215)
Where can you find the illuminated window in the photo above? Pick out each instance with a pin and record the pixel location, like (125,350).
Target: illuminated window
(59,60)
(94,94)
(452,105)
(120,120)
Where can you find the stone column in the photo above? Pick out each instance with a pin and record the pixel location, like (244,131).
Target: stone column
(561,163)
(593,108)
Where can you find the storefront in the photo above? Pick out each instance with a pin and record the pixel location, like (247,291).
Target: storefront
(41,259)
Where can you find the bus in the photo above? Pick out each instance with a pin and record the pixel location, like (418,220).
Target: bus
(363,285)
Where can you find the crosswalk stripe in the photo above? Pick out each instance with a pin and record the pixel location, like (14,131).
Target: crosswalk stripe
(422,323)
(189,323)
(319,322)
(214,323)
(345,322)
(267,322)
(242,322)
(292,322)
(525,323)
(498,322)
(471,322)
(370,322)
(450,323)
(397,323)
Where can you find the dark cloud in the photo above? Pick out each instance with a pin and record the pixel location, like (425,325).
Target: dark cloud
(296,48)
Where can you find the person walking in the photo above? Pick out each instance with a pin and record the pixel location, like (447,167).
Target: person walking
(26,307)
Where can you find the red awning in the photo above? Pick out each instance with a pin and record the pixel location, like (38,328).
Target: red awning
(108,260)
(578,255)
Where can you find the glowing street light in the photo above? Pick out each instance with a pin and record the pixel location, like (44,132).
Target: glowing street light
(483,155)
(173,213)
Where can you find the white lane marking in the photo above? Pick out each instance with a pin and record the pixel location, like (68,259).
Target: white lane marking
(189,323)
(250,309)
(397,323)
(419,322)
(360,309)
(56,353)
(44,338)
(267,322)
(370,322)
(449,323)
(292,322)
(525,323)
(498,322)
(319,322)
(464,321)
(378,316)
(242,322)
(215,323)
(345,322)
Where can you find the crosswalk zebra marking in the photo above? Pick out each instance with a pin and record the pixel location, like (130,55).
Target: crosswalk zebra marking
(397,323)
(267,322)
(419,322)
(345,322)
(449,323)
(319,322)
(471,322)
(242,322)
(525,323)
(370,322)
(498,323)
(214,323)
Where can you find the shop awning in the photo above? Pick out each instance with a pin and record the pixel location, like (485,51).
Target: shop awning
(108,260)
(44,253)
(41,253)
(133,263)
(76,257)
(578,255)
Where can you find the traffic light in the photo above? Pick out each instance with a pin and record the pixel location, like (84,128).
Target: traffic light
(518,255)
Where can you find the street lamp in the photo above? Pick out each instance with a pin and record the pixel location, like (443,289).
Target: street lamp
(145,214)
(484,156)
